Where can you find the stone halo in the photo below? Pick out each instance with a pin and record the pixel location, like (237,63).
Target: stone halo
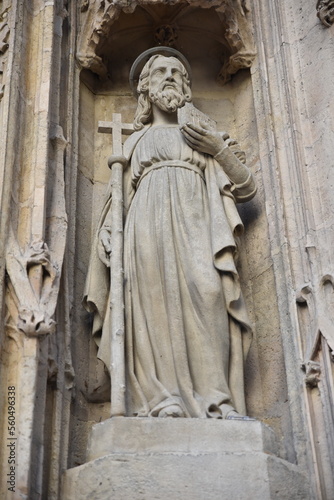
(142,59)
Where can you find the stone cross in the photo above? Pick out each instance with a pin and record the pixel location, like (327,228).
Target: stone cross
(117,164)
(116,128)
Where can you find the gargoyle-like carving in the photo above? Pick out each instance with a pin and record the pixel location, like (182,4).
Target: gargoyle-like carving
(325,12)
(100,16)
(34,323)
(33,279)
(312,373)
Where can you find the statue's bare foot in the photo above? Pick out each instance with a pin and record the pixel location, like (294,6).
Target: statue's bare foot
(234,415)
(171,411)
(229,413)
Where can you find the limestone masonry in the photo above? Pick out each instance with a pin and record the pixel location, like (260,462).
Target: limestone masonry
(166,249)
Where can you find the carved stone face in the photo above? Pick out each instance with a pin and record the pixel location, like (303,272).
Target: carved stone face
(166,72)
(166,84)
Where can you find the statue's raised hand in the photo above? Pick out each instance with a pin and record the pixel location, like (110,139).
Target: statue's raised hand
(203,139)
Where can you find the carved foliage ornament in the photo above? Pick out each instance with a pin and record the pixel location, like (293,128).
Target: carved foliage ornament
(325,12)
(34,269)
(99,16)
(31,300)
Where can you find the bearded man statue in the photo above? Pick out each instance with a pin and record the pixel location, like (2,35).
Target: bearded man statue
(186,327)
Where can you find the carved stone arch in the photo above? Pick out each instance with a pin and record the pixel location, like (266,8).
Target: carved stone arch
(166,26)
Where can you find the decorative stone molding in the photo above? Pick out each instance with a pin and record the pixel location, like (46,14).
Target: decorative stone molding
(319,321)
(238,37)
(325,12)
(4,29)
(99,16)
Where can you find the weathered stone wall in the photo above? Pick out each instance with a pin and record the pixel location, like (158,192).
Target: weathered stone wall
(294,116)
(53,167)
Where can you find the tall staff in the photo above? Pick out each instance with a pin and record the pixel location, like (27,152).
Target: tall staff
(117,163)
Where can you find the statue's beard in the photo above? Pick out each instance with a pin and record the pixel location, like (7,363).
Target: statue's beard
(168,99)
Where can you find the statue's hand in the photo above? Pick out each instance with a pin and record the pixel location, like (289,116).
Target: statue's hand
(104,247)
(203,139)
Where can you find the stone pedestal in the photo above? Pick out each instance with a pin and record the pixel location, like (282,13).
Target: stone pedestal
(188,459)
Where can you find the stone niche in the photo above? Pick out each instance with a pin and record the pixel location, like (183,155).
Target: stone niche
(217,43)
(217,32)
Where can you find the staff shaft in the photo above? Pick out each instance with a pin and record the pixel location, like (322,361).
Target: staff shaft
(117,368)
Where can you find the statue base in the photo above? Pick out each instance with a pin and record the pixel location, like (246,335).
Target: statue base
(190,459)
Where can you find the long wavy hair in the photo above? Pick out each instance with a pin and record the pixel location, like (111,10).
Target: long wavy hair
(144,109)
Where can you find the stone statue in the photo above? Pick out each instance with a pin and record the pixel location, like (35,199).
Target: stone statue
(186,327)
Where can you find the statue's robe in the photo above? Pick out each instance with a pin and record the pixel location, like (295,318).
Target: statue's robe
(187,329)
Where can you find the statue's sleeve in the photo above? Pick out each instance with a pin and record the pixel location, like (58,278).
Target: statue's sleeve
(243,184)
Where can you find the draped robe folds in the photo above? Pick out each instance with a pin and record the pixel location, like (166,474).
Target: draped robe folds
(187,331)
